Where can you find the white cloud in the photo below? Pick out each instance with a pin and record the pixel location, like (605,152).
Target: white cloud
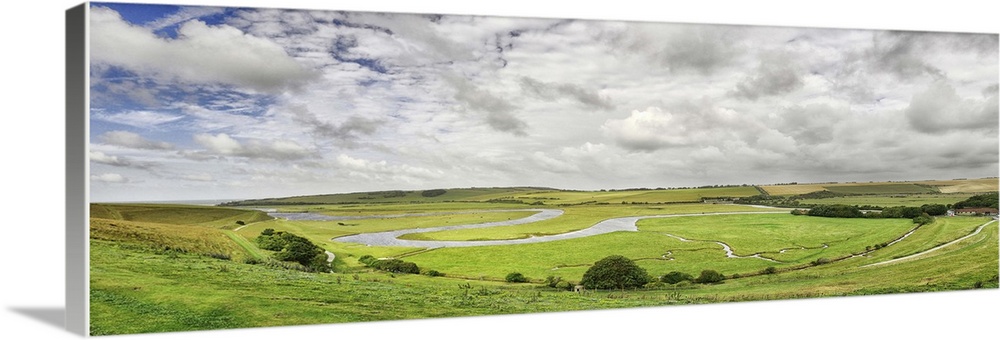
(183,15)
(382,170)
(140,119)
(132,140)
(109,178)
(200,53)
(404,101)
(223,144)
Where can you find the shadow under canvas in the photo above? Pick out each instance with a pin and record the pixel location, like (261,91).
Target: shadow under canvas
(53,316)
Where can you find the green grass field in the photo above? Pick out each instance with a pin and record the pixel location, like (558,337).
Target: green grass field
(174,268)
(574,218)
(963,186)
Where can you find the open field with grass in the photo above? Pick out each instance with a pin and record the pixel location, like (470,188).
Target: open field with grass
(172,268)
(574,218)
(966,186)
(802,237)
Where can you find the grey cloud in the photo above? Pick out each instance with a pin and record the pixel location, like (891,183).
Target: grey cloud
(900,53)
(939,108)
(777,73)
(498,111)
(991,90)
(102,158)
(812,124)
(132,140)
(506,122)
(679,47)
(553,91)
(347,133)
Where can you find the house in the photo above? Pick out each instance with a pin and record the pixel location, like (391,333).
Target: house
(977,211)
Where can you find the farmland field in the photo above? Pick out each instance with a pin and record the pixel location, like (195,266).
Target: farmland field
(966,186)
(172,267)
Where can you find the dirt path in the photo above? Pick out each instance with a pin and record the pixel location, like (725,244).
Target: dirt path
(726,248)
(974,233)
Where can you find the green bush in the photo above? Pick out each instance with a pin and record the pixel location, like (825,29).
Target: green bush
(923,219)
(824,260)
(395,266)
(367,259)
(710,276)
(516,277)
(769,270)
(433,272)
(552,281)
(614,271)
(676,277)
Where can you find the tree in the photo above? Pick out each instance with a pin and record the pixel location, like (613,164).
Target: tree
(710,276)
(516,277)
(923,219)
(989,200)
(934,209)
(614,271)
(676,277)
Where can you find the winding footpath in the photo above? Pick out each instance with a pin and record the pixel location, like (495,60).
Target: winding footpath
(960,239)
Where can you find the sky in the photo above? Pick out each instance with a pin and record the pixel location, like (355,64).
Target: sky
(230,103)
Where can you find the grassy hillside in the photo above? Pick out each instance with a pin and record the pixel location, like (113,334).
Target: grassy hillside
(168,237)
(515,195)
(963,186)
(176,268)
(395,196)
(177,214)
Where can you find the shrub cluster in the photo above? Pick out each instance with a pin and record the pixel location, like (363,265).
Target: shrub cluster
(290,247)
(709,276)
(676,277)
(391,265)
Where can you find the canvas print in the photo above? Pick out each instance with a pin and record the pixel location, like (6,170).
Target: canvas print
(266,167)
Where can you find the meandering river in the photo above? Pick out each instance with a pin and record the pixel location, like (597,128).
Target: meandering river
(391,238)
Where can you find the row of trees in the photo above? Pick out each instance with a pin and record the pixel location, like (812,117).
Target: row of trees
(921,214)
(989,200)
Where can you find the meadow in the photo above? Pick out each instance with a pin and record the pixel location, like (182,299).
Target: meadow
(172,268)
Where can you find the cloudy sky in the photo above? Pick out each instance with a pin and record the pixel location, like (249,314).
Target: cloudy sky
(201,103)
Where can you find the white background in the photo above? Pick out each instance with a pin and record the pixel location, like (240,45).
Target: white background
(32,226)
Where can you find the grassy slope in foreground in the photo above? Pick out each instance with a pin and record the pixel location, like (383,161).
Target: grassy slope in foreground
(137,289)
